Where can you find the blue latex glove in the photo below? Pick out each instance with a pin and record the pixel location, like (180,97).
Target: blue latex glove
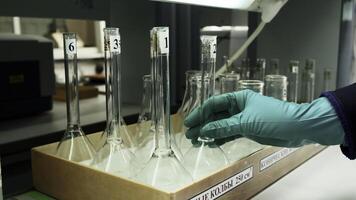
(266,120)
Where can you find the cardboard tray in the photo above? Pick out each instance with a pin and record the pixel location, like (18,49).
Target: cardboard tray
(243,179)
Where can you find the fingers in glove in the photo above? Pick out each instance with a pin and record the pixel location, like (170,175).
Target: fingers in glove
(212,106)
(222,128)
(193,133)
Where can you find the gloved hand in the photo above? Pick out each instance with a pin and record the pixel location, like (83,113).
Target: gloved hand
(266,120)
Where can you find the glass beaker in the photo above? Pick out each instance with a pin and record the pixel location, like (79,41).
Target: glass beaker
(308,81)
(293,81)
(114,156)
(327,85)
(163,170)
(273,66)
(276,86)
(254,85)
(204,158)
(229,82)
(74,146)
(258,72)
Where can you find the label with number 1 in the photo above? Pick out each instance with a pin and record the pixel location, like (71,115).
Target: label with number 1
(163,41)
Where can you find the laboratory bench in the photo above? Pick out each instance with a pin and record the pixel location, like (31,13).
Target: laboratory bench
(327,176)
(18,136)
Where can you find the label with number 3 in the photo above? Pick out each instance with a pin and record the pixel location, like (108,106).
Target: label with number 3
(71,46)
(115,43)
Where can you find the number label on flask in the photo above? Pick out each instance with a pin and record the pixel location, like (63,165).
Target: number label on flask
(213,48)
(115,43)
(294,69)
(163,41)
(71,46)
(211,41)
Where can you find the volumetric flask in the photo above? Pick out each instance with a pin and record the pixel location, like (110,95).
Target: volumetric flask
(114,156)
(144,123)
(163,170)
(187,94)
(276,86)
(308,81)
(293,81)
(196,87)
(258,72)
(254,85)
(229,82)
(183,111)
(204,158)
(75,145)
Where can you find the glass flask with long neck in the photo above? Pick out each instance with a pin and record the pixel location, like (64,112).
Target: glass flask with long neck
(114,156)
(163,171)
(145,127)
(74,146)
(187,94)
(187,100)
(185,144)
(126,136)
(205,157)
(144,122)
(293,81)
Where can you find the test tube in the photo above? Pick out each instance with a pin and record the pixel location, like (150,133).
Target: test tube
(327,86)
(258,72)
(276,86)
(308,81)
(293,81)
(274,66)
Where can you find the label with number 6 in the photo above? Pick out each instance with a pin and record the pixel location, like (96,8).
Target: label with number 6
(115,43)
(71,46)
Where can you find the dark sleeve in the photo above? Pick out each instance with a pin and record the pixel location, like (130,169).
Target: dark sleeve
(344,102)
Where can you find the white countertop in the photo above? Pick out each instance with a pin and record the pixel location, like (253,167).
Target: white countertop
(327,176)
